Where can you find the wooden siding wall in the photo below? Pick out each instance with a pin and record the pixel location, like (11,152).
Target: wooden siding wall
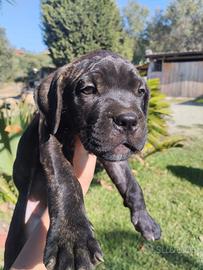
(154,75)
(183,79)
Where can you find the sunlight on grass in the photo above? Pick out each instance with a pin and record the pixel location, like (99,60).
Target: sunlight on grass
(172,183)
(174,199)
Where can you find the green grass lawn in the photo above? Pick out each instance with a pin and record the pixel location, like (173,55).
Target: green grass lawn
(172,182)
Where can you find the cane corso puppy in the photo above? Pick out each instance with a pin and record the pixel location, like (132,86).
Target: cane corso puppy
(100,98)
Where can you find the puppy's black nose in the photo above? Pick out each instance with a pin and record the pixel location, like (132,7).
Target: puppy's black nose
(127,121)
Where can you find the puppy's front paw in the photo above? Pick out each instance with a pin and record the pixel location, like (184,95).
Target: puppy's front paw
(72,248)
(145,224)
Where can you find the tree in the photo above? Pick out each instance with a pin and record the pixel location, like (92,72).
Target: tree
(5,57)
(9,1)
(179,28)
(135,17)
(74,27)
(26,62)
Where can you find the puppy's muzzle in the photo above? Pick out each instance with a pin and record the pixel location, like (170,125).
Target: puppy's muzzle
(126,121)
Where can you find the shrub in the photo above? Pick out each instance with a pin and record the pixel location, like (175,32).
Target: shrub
(13,121)
(158,115)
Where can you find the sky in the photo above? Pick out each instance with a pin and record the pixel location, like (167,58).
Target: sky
(21,20)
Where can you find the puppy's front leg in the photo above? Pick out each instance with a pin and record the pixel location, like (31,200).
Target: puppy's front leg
(131,192)
(70,241)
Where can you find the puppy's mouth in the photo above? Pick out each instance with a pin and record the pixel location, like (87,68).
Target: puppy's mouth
(121,152)
(124,148)
(131,147)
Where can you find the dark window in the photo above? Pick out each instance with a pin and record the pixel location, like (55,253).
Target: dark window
(157,66)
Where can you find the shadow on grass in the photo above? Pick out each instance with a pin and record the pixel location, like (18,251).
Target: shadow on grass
(194,102)
(182,257)
(198,125)
(194,175)
(7,177)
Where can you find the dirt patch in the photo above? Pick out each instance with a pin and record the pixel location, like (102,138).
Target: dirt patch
(10,89)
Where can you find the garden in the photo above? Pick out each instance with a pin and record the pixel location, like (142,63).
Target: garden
(170,172)
(169,168)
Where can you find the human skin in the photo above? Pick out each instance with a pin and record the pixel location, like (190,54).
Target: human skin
(31,255)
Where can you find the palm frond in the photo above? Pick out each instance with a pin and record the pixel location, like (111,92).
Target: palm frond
(7,191)
(158,114)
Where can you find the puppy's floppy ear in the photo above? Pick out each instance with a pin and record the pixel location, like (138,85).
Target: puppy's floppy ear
(49,100)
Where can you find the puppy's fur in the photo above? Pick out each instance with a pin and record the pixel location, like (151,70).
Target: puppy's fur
(100,98)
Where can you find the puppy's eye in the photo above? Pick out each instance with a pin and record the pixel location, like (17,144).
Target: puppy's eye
(89,90)
(141,92)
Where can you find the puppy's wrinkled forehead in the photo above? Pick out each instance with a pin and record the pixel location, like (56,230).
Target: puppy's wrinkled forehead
(114,73)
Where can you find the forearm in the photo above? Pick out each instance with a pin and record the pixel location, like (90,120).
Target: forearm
(31,256)
(126,184)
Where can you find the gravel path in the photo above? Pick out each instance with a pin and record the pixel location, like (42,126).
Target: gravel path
(187,118)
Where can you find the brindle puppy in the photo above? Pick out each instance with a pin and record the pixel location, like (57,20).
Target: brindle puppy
(101,98)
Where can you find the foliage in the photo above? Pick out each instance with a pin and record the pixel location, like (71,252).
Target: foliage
(25,63)
(158,114)
(19,64)
(179,28)
(8,1)
(13,120)
(135,18)
(5,57)
(8,191)
(74,27)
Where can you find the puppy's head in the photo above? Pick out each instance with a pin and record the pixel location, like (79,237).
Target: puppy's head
(103,99)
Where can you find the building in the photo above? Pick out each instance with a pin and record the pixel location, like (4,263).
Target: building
(180,73)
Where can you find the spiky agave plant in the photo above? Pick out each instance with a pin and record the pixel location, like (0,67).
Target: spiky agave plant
(158,115)
(13,120)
